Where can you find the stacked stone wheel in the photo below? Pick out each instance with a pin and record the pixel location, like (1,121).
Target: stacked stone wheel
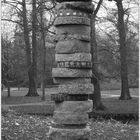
(73,72)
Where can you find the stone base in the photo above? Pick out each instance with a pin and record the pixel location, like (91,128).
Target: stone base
(69,134)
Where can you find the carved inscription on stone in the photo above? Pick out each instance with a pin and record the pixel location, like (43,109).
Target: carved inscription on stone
(74,64)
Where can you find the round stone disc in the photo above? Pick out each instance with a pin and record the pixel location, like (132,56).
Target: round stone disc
(70,118)
(67,30)
(72,20)
(76,88)
(83,57)
(69,134)
(83,6)
(67,72)
(71,80)
(75,106)
(72,46)
(71,37)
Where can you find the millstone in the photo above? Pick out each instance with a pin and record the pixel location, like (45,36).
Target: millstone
(70,118)
(71,80)
(69,134)
(75,106)
(72,20)
(76,88)
(73,57)
(66,72)
(80,30)
(71,37)
(72,46)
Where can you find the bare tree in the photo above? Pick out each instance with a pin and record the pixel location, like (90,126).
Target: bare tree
(96,97)
(125,94)
(33,66)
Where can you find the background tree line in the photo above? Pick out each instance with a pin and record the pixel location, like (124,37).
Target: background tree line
(27,58)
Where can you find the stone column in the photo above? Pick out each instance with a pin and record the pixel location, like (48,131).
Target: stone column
(73,72)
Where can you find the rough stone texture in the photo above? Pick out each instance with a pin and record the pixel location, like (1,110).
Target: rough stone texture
(71,80)
(73,57)
(76,88)
(80,30)
(70,118)
(82,6)
(72,46)
(73,70)
(67,72)
(74,106)
(69,134)
(71,37)
(72,20)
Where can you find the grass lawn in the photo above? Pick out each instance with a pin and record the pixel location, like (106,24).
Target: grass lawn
(36,106)
(34,127)
(24,125)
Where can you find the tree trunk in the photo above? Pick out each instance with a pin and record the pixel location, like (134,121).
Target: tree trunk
(43,53)
(125,95)
(96,97)
(8,90)
(30,65)
(43,72)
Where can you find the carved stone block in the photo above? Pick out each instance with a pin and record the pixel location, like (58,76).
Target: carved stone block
(83,57)
(69,134)
(76,88)
(72,20)
(70,118)
(66,72)
(71,80)
(72,46)
(71,37)
(84,6)
(75,106)
(80,30)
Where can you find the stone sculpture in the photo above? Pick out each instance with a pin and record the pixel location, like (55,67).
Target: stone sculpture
(73,72)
